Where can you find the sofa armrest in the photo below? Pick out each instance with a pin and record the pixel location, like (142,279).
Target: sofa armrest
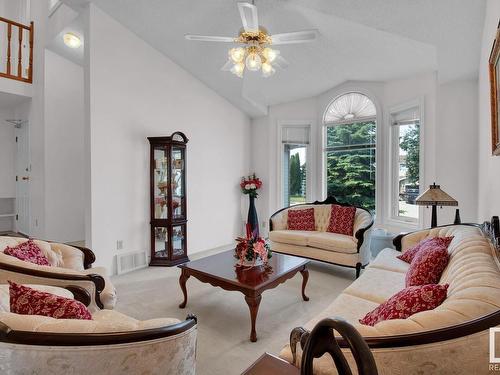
(86,288)
(88,256)
(9,335)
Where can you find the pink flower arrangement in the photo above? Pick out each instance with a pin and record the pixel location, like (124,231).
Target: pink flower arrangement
(251,248)
(250,185)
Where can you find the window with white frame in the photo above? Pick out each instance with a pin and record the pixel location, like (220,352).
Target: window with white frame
(405,142)
(350,149)
(294,163)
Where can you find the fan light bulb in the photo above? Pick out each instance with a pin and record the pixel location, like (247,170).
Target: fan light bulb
(270,54)
(267,69)
(253,62)
(237,54)
(238,69)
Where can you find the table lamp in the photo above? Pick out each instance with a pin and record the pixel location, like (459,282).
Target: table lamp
(434,197)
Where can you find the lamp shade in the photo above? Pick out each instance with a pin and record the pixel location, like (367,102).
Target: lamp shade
(435,196)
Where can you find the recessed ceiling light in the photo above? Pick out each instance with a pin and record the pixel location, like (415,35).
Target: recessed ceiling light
(72,40)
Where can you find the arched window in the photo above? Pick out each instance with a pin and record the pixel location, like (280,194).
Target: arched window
(350,132)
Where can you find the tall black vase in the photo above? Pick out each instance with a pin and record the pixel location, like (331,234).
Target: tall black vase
(252,216)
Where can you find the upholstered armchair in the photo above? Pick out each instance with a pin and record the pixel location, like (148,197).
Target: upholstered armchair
(111,343)
(65,261)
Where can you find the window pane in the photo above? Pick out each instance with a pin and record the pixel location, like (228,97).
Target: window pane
(294,174)
(351,176)
(358,133)
(408,169)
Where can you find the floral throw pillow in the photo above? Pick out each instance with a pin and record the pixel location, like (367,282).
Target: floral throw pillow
(407,302)
(342,219)
(29,252)
(427,266)
(409,254)
(28,301)
(301,219)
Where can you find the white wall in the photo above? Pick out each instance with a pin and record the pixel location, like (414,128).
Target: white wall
(7,156)
(133,92)
(64,151)
(456,150)
(489,166)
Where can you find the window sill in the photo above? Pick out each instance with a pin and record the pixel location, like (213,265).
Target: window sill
(394,225)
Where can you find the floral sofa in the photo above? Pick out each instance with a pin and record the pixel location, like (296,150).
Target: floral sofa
(64,260)
(351,251)
(453,338)
(111,343)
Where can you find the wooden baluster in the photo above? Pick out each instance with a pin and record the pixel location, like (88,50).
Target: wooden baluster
(19,57)
(30,68)
(9,36)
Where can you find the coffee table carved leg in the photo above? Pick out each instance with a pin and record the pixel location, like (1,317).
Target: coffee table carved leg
(305,276)
(253,304)
(182,281)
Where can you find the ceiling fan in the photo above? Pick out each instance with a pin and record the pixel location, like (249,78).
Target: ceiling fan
(255,53)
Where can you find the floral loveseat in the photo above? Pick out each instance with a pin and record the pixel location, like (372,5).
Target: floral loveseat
(64,261)
(453,338)
(351,251)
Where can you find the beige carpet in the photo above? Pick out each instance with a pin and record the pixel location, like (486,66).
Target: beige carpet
(223,317)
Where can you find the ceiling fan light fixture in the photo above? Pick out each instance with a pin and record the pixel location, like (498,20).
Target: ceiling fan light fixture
(270,54)
(237,54)
(253,61)
(267,70)
(238,69)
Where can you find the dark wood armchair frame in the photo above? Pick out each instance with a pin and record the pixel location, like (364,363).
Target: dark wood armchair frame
(492,231)
(360,233)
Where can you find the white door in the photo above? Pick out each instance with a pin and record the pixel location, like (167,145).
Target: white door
(23,169)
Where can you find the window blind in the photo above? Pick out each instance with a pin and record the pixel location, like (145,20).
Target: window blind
(406,117)
(295,135)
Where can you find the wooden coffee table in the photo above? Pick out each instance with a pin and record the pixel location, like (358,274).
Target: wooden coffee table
(219,270)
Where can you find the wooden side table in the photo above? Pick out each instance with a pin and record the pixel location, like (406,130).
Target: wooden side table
(269,364)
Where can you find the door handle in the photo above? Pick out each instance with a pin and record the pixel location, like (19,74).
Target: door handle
(25,178)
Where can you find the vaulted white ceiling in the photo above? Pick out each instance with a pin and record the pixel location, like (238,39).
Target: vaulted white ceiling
(374,40)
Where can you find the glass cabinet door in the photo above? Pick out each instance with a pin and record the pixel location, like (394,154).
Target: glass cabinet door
(178,183)
(179,241)
(160,237)
(160,183)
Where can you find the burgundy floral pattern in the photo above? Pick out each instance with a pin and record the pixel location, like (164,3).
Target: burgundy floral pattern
(342,219)
(427,266)
(409,254)
(29,252)
(28,301)
(407,302)
(301,219)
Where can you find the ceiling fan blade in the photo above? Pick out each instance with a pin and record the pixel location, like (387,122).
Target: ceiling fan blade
(227,66)
(249,17)
(209,38)
(295,37)
(280,62)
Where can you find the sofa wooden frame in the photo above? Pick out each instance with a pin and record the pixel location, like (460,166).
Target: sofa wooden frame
(492,231)
(360,233)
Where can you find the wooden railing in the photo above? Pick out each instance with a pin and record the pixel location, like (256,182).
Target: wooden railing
(9,48)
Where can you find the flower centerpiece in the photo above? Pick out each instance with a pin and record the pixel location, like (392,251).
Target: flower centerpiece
(253,250)
(249,185)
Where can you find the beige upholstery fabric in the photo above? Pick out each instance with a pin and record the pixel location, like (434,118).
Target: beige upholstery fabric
(344,259)
(333,242)
(474,291)
(320,244)
(102,321)
(174,355)
(291,237)
(64,259)
(108,294)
